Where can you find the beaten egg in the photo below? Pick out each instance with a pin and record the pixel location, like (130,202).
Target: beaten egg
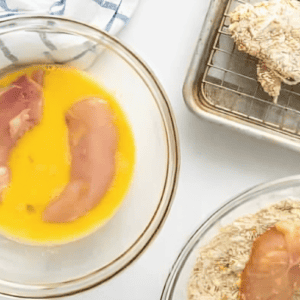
(40,162)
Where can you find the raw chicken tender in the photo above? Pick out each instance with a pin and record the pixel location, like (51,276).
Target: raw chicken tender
(21,106)
(270,31)
(273,271)
(93,139)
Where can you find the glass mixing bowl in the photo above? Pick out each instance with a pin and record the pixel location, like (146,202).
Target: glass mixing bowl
(30,271)
(249,202)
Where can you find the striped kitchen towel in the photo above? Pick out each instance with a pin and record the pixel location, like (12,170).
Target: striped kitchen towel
(48,47)
(111,15)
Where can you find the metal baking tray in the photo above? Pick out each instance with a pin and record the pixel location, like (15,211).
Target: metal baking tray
(221,85)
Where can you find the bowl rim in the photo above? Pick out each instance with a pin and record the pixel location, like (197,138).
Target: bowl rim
(224,208)
(143,241)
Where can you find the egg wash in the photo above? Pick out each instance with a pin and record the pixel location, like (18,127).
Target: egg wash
(40,162)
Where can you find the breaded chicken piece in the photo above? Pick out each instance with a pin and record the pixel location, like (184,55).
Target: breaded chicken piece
(270,31)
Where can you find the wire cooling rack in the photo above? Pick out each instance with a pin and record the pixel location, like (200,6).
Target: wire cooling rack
(230,85)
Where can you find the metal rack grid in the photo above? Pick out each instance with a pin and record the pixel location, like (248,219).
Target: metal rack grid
(230,84)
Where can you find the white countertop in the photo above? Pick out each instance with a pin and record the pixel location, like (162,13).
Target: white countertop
(217,163)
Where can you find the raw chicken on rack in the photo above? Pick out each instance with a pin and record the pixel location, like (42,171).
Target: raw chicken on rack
(270,31)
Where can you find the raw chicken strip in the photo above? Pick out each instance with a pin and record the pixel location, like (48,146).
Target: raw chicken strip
(270,31)
(93,142)
(273,271)
(21,106)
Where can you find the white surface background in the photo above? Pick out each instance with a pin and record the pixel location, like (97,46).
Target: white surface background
(216,162)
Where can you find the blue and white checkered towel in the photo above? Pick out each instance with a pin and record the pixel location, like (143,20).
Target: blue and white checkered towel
(111,15)
(48,47)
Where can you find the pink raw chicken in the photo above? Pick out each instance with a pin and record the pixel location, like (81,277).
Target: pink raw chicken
(93,142)
(21,106)
(273,271)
